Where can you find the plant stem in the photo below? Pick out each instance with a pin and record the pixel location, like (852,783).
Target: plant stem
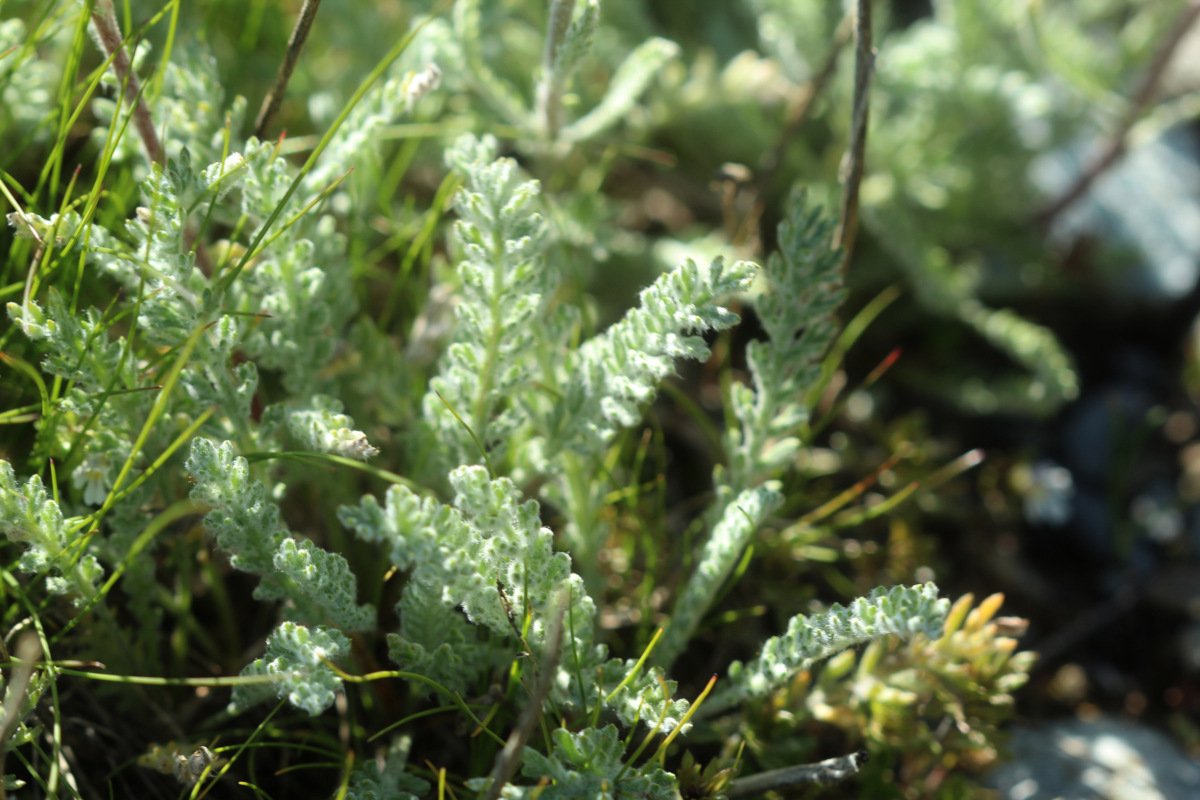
(801,103)
(108,32)
(822,773)
(509,757)
(581,510)
(551,88)
(273,99)
(852,164)
(1117,141)
(28,651)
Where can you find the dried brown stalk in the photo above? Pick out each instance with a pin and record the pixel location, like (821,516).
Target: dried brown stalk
(108,33)
(274,98)
(852,164)
(1118,140)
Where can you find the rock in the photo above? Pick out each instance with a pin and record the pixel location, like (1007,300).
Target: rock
(1102,759)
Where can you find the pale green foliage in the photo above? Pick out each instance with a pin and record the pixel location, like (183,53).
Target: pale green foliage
(190,112)
(30,517)
(600,388)
(606,382)
(567,43)
(174,299)
(251,325)
(459,49)
(161,263)
(27,102)
(796,35)
(247,525)
(590,763)
(437,641)
(300,302)
(77,348)
(505,286)
(947,289)
(902,610)
(488,554)
(299,282)
(965,117)
(389,781)
(961,121)
(76,345)
(356,143)
(648,698)
(496,92)
(738,524)
(628,84)
(294,660)
(797,309)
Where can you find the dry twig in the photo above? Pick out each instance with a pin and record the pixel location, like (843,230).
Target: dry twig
(273,99)
(852,165)
(509,757)
(108,32)
(1118,140)
(802,100)
(823,773)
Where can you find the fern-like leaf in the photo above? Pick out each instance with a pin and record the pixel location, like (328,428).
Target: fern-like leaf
(247,525)
(614,374)
(294,658)
(797,309)
(472,401)
(902,611)
(30,517)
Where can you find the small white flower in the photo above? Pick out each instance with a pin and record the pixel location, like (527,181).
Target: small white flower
(93,476)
